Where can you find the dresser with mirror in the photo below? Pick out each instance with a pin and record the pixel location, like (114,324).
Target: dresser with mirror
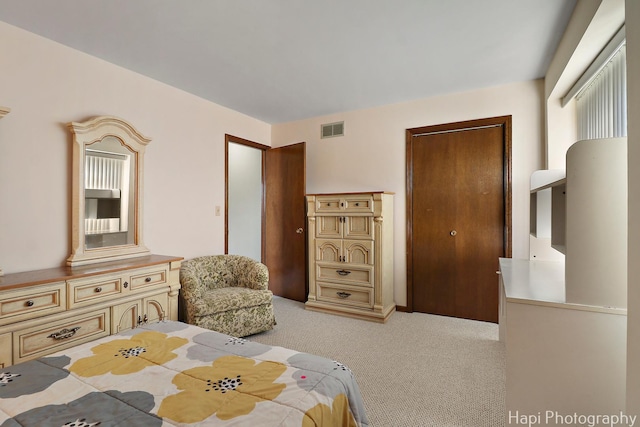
(110,282)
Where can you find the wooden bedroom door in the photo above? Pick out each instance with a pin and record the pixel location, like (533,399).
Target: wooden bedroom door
(285,222)
(458,179)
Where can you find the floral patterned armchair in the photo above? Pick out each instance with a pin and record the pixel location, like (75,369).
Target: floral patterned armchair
(226,293)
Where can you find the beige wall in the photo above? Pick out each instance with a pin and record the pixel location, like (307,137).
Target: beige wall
(633,296)
(371,155)
(47,85)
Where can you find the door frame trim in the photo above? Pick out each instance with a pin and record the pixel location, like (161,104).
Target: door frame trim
(237,140)
(501,121)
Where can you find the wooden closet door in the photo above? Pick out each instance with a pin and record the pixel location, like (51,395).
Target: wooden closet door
(458,221)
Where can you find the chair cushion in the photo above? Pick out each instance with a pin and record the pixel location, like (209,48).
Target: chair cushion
(225,299)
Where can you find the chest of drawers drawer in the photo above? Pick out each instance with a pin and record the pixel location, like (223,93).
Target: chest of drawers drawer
(354,296)
(33,342)
(359,275)
(25,303)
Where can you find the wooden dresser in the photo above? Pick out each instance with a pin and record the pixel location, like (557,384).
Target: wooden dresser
(351,254)
(45,311)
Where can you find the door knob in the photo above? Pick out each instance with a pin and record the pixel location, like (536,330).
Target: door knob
(453,232)
(299,230)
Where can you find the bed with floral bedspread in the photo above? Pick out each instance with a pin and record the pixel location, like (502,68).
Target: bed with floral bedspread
(174,374)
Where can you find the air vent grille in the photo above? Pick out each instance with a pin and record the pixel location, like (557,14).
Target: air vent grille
(330,130)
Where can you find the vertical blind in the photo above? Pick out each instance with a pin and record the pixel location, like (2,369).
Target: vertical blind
(602,104)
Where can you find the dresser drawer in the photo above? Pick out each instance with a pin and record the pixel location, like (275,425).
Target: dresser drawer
(30,302)
(148,277)
(345,295)
(37,341)
(89,291)
(361,275)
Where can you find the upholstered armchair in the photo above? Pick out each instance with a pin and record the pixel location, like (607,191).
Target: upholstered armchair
(227,293)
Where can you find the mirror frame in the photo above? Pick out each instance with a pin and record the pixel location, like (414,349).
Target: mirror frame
(85,134)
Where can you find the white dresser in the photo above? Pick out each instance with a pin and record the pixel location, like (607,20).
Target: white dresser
(45,311)
(351,254)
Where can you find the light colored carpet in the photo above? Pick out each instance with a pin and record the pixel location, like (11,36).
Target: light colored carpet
(415,370)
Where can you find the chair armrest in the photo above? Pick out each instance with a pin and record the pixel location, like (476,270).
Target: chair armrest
(192,287)
(253,275)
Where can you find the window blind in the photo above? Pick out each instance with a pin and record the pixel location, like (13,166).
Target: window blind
(602,104)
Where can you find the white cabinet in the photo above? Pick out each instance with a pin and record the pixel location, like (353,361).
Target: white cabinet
(45,311)
(351,254)
(564,321)
(563,357)
(584,216)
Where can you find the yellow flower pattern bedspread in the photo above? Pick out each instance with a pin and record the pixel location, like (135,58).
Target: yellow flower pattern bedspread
(174,374)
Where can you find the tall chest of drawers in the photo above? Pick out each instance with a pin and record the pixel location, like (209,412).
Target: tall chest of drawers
(45,311)
(351,254)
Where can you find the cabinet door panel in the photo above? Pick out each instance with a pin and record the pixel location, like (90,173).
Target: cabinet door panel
(358,227)
(5,350)
(358,251)
(155,308)
(125,316)
(329,227)
(328,250)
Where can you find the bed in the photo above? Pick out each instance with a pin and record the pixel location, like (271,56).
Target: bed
(174,374)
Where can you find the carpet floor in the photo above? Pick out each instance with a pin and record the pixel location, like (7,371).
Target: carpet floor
(416,370)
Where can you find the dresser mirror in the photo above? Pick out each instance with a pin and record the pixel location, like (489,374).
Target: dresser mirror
(108,158)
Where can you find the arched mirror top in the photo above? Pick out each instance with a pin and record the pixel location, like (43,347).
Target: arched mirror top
(107,191)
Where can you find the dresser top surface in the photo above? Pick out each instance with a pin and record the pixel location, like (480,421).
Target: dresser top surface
(58,274)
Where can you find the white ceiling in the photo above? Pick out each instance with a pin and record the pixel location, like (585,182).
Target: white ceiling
(284,60)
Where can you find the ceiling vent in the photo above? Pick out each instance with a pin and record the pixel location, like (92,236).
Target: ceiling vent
(330,130)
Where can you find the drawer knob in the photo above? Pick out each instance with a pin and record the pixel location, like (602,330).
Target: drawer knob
(29,303)
(98,289)
(343,294)
(148,279)
(126,284)
(343,273)
(65,333)
(357,204)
